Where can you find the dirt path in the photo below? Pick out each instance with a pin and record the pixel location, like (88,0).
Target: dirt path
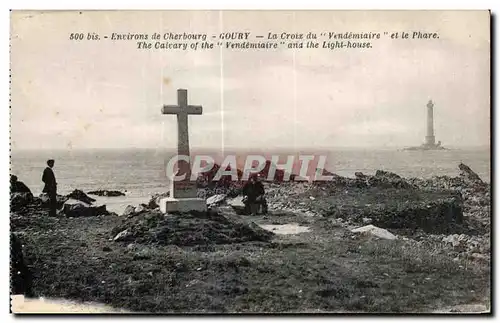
(289,228)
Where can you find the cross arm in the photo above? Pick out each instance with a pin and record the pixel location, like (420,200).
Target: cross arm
(175,109)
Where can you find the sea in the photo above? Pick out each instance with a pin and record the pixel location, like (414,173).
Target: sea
(141,172)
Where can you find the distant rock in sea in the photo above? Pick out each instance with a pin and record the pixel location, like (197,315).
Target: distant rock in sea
(106,193)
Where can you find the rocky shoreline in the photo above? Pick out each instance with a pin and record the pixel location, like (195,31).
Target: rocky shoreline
(448,216)
(452,210)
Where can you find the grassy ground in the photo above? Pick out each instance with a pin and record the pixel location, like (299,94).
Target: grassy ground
(325,270)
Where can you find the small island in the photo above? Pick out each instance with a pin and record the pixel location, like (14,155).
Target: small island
(430,139)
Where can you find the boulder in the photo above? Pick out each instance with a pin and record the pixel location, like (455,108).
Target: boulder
(123,236)
(106,193)
(360,175)
(469,175)
(375,231)
(140,208)
(479,256)
(237,204)
(384,178)
(17,186)
(385,174)
(19,200)
(367,220)
(44,200)
(453,239)
(75,208)
(154,202)
(80,196)
(130,209)
(216,200)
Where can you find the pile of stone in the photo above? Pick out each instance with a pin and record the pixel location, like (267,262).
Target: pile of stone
(441,204)
(476,195)
(459,245)
(385,207)
(468,183)
(381,178)
(187,229)
(432,214)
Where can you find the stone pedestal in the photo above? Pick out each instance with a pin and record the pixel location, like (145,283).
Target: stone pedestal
(182,199)
(182,205)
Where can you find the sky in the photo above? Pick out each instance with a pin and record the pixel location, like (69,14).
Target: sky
(68,94)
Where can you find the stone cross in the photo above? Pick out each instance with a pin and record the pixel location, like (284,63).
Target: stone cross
(185,188)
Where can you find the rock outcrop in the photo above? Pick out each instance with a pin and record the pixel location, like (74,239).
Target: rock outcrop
(20,194)
(154,202)
(81,196)
(397,209)
(129,210)
(106,193)
(44,201)
(216,200)
(17,186)
(476,195)
(469,176)
(75,208)
(443,204)
(19,200)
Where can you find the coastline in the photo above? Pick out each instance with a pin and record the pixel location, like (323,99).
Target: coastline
(210,258)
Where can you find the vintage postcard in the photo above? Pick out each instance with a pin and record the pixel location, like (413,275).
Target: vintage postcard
(250,162)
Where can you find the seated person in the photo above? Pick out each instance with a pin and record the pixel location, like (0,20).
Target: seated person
(253,193)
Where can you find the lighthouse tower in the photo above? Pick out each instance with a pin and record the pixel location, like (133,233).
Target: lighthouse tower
(430,140)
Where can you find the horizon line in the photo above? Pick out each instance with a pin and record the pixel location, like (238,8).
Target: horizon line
(240,148)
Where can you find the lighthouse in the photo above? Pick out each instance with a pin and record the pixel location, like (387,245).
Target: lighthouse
(430,140)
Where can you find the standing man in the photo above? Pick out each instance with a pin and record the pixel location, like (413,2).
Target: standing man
(50,187)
